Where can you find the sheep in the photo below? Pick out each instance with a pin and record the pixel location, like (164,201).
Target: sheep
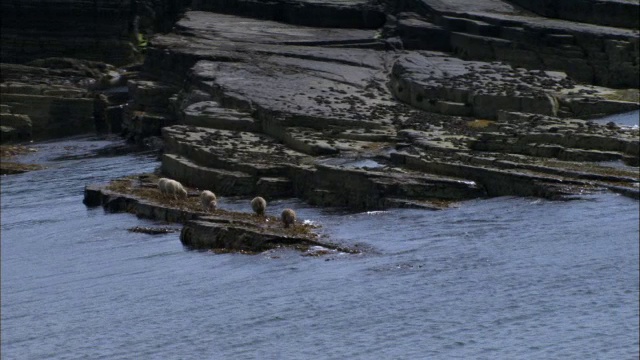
(176,189)
(259,205)
(288,217)
(172,188)
(208,200)
(162,185)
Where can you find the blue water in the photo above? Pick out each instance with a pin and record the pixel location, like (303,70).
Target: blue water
(628,119)
(503,278)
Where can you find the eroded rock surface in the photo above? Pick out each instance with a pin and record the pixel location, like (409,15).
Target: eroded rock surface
(219,230)
(9,166)
(619,13)
(55,97)
(269,109)
(319,13)
(498,30)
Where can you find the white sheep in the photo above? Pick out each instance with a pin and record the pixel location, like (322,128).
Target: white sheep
(258,204)
(172,188)
(176,189)
(208,200)
(288,217)
(162,185)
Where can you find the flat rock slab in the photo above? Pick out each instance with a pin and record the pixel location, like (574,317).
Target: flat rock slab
(321,13)
(323,92)
(235,150)
(220,229)
(499,11)
(211,114)
(301,73)
(451,86)
(315,102)
(233,28)
(249,234)
(527,176)
(501,30)
(55,94)
(493,6)
(242,163)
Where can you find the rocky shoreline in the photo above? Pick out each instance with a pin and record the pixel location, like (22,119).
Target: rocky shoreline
(8,166)
(374,104)
(219,230)
(432,127)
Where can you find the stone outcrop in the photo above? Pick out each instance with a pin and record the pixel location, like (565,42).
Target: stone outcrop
(368,104)
(617,13)
(15,127)
(565,140)
(8,165)
(268,110)
(496,30)
(54,97)
(220,230)
(148,109)
(319,13)
(437,83)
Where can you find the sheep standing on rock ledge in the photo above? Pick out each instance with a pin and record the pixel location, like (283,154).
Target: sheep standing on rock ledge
(288,217)
(208,200)
(171,188)
(162,185)
(259,205)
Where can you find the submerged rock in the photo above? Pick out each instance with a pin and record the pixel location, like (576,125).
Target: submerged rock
(8,167)
(217,229)
(57,97)
(152,230)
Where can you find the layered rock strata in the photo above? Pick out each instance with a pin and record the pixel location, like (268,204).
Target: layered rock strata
(618,13)
(497,30)
(319,13)
(438,83)
(220,230)
(55,97)
(8,165)
(269,110)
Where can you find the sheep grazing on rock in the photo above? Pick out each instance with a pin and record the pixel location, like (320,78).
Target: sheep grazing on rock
(162,185)
(176,189)
(172,188)
(259,205)
(208,200)
(288,217)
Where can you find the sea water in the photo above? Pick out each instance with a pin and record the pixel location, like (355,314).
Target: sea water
(500,278)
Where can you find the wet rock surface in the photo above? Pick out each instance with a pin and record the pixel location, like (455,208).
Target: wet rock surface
(373,104)
(269,110)
(619,13)
(153,230)
(319,13)
(220,230)
(493,30)
(55,97)
(7,164)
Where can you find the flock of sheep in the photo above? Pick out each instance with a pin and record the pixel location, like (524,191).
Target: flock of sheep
(172,188)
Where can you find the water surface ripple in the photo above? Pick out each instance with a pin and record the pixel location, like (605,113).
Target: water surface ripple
(502,278)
